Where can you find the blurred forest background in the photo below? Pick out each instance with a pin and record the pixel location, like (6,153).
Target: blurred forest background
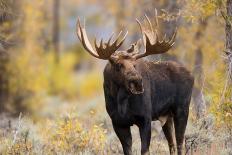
(51,96)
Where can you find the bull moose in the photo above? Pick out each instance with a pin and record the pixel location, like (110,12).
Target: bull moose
(138,91)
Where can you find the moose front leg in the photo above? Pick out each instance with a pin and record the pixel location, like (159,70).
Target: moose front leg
(124,135)
(145,135)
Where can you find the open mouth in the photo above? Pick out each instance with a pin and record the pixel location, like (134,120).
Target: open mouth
(136,87)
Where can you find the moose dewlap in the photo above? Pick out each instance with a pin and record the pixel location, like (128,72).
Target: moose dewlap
(138,91)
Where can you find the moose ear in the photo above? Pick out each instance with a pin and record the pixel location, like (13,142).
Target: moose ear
(135,47)
(113,60)
(131,49)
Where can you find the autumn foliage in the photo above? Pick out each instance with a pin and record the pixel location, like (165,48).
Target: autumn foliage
(61,105)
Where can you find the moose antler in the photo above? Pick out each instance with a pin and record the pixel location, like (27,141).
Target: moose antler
(151,40)
(104,50)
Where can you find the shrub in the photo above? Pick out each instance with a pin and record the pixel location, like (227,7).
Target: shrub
(61,77)
(69,136)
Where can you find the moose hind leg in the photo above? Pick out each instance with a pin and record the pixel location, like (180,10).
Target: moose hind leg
(180,123)
(124,135)
(168,130)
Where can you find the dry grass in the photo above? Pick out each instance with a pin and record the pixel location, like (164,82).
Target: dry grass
(64,131)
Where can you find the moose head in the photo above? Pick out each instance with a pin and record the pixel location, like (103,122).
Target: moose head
(123,63)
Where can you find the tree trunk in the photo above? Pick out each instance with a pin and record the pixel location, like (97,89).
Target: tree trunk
(4,91)
(198,96)
(56,29)
(5,7)
(169,27)
(228,30)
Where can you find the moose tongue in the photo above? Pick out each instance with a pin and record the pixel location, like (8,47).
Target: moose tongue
(132,86)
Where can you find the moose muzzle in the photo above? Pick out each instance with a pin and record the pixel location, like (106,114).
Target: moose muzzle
(135,86)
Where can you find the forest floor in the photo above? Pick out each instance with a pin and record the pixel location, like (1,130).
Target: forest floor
(89,113)
(23,134)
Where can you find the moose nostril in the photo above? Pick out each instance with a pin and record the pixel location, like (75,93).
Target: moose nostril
(135,82)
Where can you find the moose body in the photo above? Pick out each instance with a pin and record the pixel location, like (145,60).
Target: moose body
(138,91)
(167,93)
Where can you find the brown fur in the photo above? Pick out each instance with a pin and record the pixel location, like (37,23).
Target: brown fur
(159,89)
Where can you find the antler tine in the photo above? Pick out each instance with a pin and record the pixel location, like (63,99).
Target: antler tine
(172,40)
(108,43)
(82,35)
(149,22)
(116,39)
(151,40)
(123,39)
(103,50)
(117,44)
(164,38)
(101,43)
(109,49)
(140,25)
(78,29)
(141,30)
(156,37)
(156,18)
